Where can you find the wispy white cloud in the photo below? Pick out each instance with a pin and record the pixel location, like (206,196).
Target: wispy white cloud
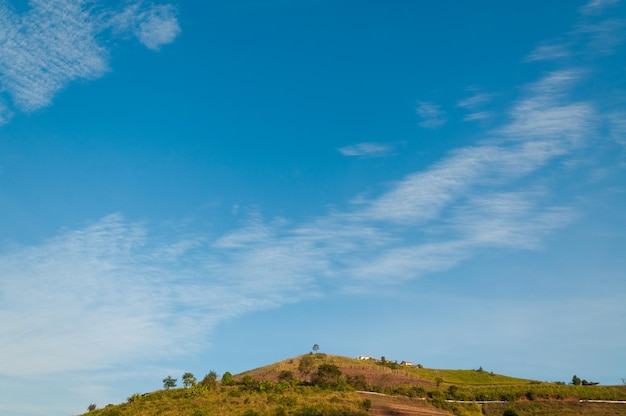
(430,114)
(471,189)
(367,149)
(601,38)
(594,35)
(478,115)
(45,48)
(405,262)
(476,100)
(70,292)
(550,51)
(616,126)
(420,196)
(158,27)
(502,219)
(423,196)
(597,6)
(56,42)
(474,104)
(5,113)
(82,292)
(545,114)
(85,290)
(153,25)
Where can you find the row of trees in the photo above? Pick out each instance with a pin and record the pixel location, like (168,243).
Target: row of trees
(306,367)
(189,380)
(325,376)
(576,381)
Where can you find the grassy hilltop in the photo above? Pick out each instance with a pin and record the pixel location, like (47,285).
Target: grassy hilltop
(328,385)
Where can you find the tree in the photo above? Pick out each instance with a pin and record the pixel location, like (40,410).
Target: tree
(285,375)
(452,392)
(92,407)
(169,382)
(316,348)
(576,380)
(227,379)
(357,382)
(327,375)
(189,380)
(210,380)
(250,383)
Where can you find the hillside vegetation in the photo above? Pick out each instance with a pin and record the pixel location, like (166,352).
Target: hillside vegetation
(327,385)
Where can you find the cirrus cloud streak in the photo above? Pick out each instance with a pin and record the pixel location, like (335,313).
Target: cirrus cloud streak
(57,42)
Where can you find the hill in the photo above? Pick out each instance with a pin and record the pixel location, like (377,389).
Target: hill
(329,385)
(382,374)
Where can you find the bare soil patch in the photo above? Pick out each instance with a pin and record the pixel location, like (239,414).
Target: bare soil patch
(383,405)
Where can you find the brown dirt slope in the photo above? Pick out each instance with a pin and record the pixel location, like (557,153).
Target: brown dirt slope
(383,405)
(373,373)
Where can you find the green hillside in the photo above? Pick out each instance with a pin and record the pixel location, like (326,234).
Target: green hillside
(321,384)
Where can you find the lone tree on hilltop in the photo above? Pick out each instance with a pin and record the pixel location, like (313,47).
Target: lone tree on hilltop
(316,348)
(169,382)
(576,381)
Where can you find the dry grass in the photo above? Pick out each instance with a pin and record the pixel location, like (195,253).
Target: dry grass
(232,400)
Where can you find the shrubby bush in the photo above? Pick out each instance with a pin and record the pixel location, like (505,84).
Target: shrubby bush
(227,379)
(357,382)
(285,375)
(327,376)
(134,398)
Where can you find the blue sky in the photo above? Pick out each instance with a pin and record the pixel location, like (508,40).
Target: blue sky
(196,186)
